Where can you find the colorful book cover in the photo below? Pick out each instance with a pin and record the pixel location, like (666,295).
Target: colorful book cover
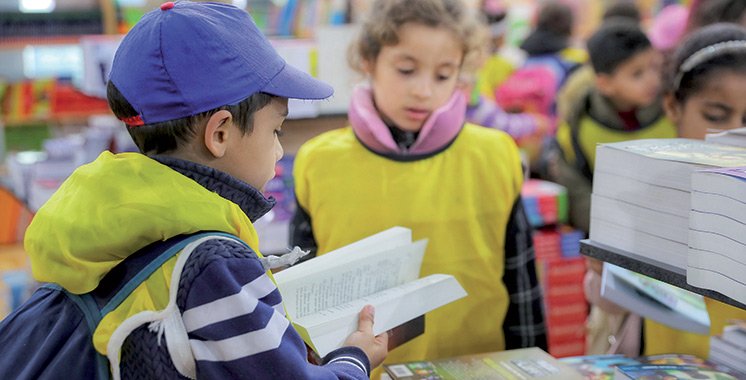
(527,363)
(669,372)
(598,367)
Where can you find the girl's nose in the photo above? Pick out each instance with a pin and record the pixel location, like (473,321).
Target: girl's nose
(423,88)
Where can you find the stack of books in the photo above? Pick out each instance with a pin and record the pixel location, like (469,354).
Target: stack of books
(717,222)
(729,348)
(558,265)
(545,202)
(641,194)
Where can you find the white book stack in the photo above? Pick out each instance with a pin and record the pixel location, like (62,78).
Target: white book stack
(717,232)
(641,194)
(729,349)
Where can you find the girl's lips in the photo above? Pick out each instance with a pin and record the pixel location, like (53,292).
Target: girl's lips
(416,114)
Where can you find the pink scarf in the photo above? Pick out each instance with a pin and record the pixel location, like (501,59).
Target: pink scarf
(438,131)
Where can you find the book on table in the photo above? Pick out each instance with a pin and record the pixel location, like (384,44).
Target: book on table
(525,363)
(650,298)
(717,222)
(641,194)
(669,372)
(323,296)
(598,367)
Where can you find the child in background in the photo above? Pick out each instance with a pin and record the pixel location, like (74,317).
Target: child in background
(204,96)
(706,91)
(623,105)
(409,159)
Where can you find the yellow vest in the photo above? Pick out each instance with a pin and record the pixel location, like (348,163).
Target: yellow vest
(460,199)
(661,339)
(590,133)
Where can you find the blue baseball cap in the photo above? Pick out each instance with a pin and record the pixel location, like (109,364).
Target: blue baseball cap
(190,57)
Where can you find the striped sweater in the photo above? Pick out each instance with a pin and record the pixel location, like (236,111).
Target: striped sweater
(233,311)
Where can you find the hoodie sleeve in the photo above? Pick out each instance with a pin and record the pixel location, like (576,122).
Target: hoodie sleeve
(237,326)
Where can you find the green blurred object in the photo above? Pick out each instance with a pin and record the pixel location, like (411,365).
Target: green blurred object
(25,137)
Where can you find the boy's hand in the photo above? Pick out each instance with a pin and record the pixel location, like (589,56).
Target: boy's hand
(376,347)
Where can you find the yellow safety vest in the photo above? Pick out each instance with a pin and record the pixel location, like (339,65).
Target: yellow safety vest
(661,339)
(590,133)
(460,199)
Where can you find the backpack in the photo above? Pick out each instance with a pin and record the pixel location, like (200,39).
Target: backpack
(533,88)
(50,335)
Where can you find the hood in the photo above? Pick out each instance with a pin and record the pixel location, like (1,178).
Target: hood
(112,207)
(439,130)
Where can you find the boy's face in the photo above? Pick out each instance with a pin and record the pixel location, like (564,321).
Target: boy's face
(254,155)
(719,105)
(415,77)
(635,83)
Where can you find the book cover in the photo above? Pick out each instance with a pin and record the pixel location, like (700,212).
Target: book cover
(324,295)
(527,363)
(598,367)
(669,372)
(654,299)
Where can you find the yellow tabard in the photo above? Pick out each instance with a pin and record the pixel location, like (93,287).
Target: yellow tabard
(661,339)
(591,133)
(459,199)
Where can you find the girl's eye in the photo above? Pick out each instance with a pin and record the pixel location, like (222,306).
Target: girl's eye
(715,118)
(406,71)
(279,133)
(443,77)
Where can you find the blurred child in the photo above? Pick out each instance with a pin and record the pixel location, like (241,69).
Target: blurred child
(409,159)
(706,92)
(204,96)
(707,12)
(623,105)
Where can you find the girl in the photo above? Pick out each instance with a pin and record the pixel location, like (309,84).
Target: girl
(707,91)
(409,159)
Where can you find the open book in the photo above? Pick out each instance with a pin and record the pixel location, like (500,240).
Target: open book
(664,303)
(324,295)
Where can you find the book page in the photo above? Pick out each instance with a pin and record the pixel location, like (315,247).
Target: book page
(371,245)
(371,274)
(329,328)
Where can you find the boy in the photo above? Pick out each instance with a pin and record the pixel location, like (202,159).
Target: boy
(623,104)
(204,95)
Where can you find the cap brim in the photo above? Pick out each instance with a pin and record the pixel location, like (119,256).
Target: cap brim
(295,84)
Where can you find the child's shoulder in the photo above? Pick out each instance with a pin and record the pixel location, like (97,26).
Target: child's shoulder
(335,139)
(477,132)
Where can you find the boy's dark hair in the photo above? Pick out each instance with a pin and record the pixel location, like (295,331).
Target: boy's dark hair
(555,17)
(614,43)
(166,136)
(623,10)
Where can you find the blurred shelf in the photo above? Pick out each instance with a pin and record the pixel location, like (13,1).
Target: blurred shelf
(651,268)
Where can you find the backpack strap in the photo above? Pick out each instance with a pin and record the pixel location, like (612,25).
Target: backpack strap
(119,283)
(168,321)
(124,278)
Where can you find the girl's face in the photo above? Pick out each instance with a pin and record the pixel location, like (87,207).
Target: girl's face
(416,76)
(719,105)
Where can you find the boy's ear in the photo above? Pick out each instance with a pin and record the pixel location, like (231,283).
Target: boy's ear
(605,84)
(217,133)
(672,108)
